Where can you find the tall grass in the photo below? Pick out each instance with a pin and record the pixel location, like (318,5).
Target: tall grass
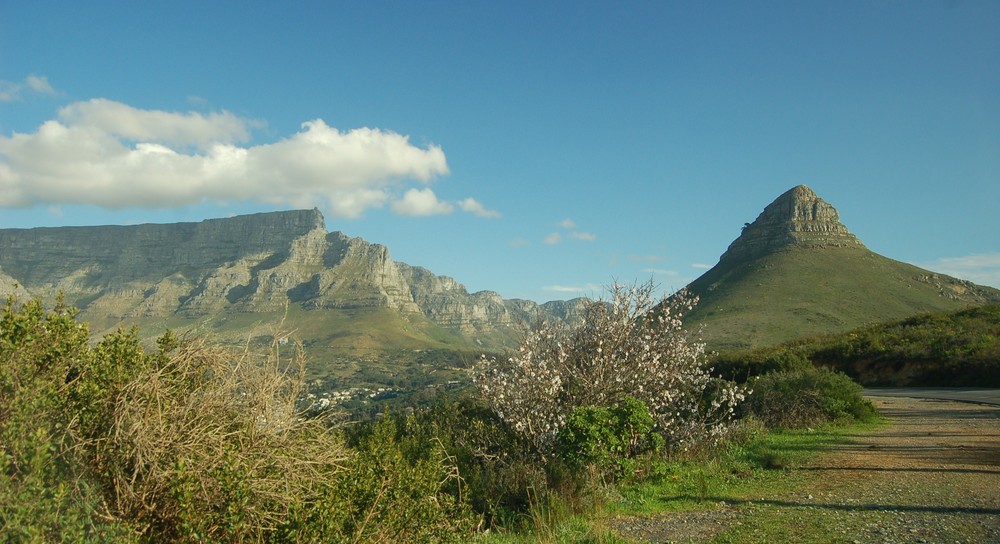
(209,443)
(191,442)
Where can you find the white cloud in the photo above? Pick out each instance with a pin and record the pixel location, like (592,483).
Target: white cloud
(421,202)
(586,288)
(177,129)
(473,206)
(570,225)
(518,242)
(109,154)
(661,272)
(701,266)
(39,84)
(981,268)
(11,91)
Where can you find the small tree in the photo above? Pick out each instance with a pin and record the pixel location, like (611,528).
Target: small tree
(632,345)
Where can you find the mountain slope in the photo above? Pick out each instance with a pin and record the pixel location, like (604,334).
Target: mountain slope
(796,270)
(233,276)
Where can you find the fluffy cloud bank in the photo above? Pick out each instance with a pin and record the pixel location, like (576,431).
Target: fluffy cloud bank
(108,154)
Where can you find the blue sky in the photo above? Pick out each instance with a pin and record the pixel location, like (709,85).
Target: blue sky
(537,149)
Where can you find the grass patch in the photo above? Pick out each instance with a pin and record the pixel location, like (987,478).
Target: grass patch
(567,529)
(751,465)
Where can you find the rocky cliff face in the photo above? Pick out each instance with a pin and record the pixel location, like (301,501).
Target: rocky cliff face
(447,302)
(797,217)
(245,264)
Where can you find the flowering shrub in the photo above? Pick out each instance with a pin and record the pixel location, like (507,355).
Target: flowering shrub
(632,345)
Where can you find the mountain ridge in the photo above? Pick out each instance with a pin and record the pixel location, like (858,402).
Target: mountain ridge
(249,264)
(795,270)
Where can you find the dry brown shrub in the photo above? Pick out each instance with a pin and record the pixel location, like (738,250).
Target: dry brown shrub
(208,444)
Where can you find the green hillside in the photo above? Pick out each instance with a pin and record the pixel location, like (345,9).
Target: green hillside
(796,271)
(804,291)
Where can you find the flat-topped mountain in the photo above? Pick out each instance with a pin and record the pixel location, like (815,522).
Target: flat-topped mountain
(229,273)
(797,270)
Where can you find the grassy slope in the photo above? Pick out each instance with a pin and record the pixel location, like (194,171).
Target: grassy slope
(805,291)
(344,329)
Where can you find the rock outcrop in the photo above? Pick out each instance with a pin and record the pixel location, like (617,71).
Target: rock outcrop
(798,217)
(245,264)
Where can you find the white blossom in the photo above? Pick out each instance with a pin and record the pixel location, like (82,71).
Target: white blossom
(632,345)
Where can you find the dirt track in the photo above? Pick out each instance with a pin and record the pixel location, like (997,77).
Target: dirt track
(932,475)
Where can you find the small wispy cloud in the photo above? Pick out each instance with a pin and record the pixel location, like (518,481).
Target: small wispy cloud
(981,268)
(518,242)
(701,266)
(661,272)
(573,234)
(590,288)
(12,91)
(196,100)
(474,207)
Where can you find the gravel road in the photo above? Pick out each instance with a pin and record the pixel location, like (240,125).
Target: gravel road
(965,394)
(931,476)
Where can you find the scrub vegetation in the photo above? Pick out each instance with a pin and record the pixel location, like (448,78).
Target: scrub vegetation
(960,348)
(109,441)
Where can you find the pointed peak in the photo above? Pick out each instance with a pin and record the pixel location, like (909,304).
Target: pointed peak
(799,192)
(799,199)
(798,217)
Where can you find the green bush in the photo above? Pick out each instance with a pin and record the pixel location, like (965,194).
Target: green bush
(609,438)
(743,365)
(497,467)
(397,492)
(808,396)
(47,494)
